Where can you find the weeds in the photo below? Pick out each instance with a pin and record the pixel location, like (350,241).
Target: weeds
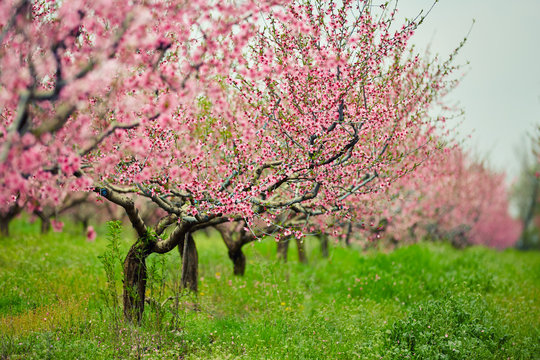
(111,260)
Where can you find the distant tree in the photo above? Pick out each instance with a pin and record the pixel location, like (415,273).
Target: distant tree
(47,212)
(459,199)
(526,193)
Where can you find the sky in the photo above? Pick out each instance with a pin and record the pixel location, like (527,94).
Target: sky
(500,92)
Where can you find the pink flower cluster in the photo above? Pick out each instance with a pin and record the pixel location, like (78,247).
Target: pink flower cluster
(456,198)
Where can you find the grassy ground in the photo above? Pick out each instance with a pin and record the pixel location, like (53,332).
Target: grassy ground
(426,301)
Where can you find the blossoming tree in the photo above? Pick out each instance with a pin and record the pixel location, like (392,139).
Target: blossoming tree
(244,112)
(452,197)
(468,203)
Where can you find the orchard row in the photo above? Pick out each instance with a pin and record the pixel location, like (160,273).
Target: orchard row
(259,118)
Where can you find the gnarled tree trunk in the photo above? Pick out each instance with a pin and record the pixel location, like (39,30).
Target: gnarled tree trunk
(44,215)
(135,271)
(135,281)
(235,237)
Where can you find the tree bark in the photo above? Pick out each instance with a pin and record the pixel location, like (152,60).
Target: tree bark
(301,251)
(522,242)
(45,225)
(235,237)
(324,245)
(135,281)
(190,263)
(6,218)
(348,236)
(239,260)
(412,232)
(45,221)
(4,226)
(84,223)
(283,248)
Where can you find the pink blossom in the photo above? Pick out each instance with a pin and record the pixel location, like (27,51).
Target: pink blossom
(234,119)
(57,226)
(90,233)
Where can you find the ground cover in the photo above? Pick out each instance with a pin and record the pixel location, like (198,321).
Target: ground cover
(424,301)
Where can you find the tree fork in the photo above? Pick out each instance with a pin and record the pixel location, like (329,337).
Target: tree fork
(235,238)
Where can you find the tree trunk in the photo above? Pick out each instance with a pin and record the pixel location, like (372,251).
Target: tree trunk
(84,223)
(349,233)
(45,216)
(239,260)
(523,240)
(283,248)
(324,245)
(4,226)
(45,225)
(135,282)
(301,251)
(412,232)
(234,239)
(190,263)
(6,218)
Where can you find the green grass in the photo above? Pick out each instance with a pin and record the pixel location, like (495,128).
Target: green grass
(426,301)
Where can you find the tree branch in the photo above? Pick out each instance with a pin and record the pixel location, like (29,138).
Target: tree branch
(129,206)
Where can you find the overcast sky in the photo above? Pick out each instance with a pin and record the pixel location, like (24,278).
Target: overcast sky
(501,92)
